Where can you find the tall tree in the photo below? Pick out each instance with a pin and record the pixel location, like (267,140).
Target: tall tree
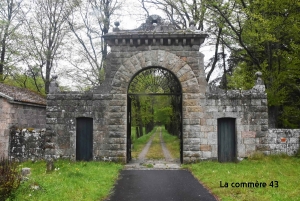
(88,23)
(10,20)
(265,32)
(47,28)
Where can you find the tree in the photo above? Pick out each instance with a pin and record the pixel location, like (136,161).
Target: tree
(265,32)
(47,27)
(10,21)
(88,23)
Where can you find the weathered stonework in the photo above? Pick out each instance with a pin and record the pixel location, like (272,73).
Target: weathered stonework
(20,108)
(178,52)
(27,144)
(250,110)
(280,141)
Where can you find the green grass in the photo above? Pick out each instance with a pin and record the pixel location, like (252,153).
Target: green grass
(70,181)
(172,143)
(155,150)
(139,143)
(283,169)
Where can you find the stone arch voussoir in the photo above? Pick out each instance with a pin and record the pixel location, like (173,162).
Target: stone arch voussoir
(155,58)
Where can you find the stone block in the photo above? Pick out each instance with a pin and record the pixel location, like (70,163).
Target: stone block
(241,150)
(249,134)
(250,149)
(212,138)
(207,128)
(206,154)
(203,140)
(205,147)
(194,109)
(249,141)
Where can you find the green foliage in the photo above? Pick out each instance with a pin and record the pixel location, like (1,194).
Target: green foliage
(267,33)
(69,181)
(241,79)
(172,143)
(9,178)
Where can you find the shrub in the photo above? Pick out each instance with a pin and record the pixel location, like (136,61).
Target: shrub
(9,178)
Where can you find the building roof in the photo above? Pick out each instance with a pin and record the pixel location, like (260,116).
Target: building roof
(17,94)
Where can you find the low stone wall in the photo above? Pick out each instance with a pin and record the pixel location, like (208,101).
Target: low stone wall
(248,108)
(280,141)
(26,144)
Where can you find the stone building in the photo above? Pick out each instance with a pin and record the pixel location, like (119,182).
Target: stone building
(20,109)
(214,124)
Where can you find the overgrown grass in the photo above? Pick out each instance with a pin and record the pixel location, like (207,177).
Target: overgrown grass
(155,150)
(172,143)
(69,181)
(139,143)
(279,169)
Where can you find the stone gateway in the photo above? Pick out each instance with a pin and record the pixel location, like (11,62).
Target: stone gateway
(206,110)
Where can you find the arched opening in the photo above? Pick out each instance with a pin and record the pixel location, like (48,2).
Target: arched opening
(154,100)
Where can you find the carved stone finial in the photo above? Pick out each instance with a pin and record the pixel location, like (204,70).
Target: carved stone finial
(54,77)
(259,81)
(192,25)
(117,24)
(259,85)
(53,87)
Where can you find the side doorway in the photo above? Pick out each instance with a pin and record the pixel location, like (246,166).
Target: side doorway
(84,139)
(226,140)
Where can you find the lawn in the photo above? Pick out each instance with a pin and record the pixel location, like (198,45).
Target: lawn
(69,181)
(281,175)
(172,143)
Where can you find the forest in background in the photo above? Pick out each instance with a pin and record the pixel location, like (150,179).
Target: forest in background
(44,37)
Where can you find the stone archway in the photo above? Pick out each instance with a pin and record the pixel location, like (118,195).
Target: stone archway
(191,108)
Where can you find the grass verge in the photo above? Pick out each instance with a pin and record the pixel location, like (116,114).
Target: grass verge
(155,150)
(172,143)
(280,173)
(139,143)
(70,181)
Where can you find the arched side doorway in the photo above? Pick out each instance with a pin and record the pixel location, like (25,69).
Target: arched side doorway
(149,89)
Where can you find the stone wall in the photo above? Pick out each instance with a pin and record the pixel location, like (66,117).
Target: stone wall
(4,128)
(27,144)
(62,111)
(249,108)
(280,141)
(21,115)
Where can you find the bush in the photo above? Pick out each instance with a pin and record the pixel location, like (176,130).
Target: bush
(9,178)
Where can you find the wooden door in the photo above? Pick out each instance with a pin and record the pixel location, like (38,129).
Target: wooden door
(84,139)
(226,140)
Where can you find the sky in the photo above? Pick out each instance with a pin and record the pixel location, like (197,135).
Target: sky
(131,16)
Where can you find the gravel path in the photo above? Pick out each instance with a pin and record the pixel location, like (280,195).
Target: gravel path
(142,163)
(145,150)
(166,152)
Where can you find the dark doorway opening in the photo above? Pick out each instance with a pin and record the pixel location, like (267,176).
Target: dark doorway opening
(84,139)
(226,140)
(146,93)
